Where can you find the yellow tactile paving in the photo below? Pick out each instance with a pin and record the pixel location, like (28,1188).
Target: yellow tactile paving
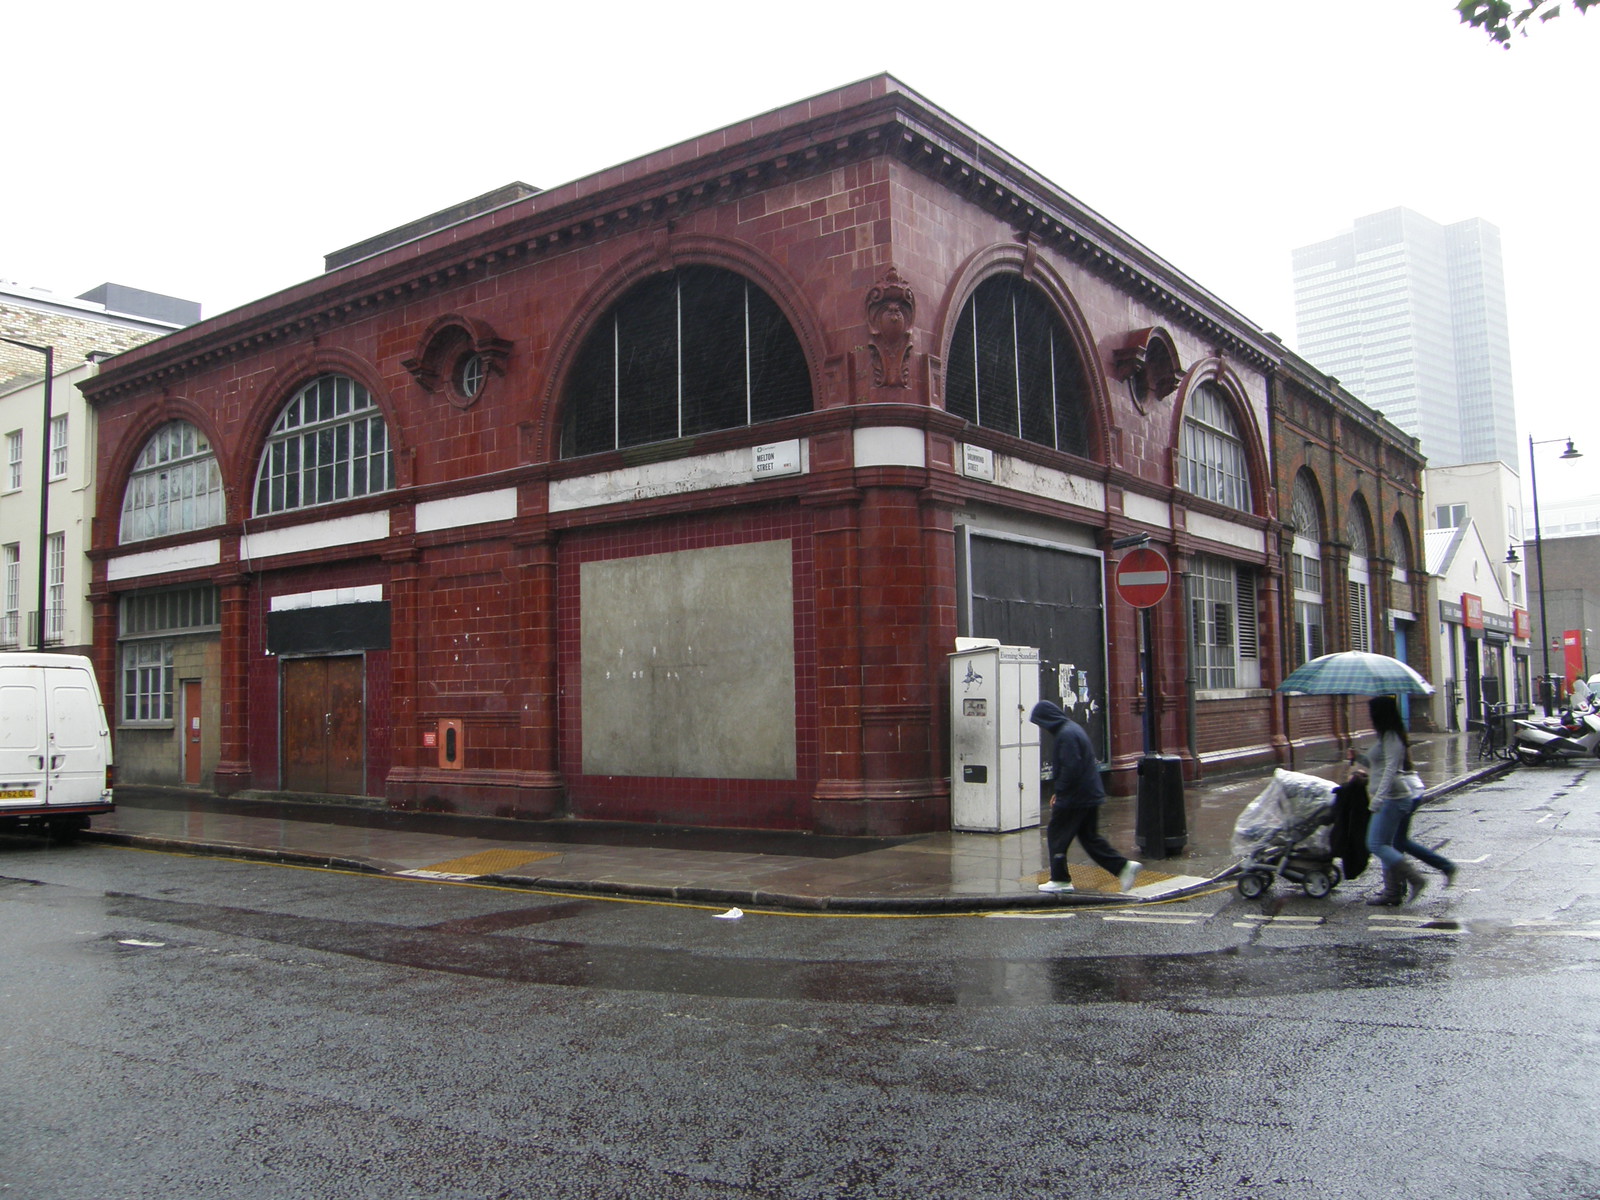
(491,862)
(1092,878)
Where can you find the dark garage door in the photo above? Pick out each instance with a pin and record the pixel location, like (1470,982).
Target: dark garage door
(1031,595)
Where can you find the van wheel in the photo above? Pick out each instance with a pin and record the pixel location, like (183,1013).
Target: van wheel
(66,831)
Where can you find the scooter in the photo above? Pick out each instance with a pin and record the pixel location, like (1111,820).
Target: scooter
(1576,735)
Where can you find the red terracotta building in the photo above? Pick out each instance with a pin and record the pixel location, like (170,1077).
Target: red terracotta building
(664,495)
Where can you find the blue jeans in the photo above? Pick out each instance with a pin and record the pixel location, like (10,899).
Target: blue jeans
(1389,837)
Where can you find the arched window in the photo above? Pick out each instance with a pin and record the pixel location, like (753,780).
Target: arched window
(1400,549)
(175,486)
(1305,568)
(1358,586)
(1013,368)
(687,352)
(1212,460)
(328,444)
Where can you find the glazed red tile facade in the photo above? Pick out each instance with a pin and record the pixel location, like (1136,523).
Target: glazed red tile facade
(926,463)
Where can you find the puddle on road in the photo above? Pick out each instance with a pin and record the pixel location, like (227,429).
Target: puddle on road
(470,947)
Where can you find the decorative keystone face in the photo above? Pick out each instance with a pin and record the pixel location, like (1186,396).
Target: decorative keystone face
(891,309)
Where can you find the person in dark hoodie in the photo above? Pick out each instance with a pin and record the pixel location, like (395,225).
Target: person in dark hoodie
(1075,806)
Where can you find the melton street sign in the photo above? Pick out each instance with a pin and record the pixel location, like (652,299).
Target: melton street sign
(1143,577)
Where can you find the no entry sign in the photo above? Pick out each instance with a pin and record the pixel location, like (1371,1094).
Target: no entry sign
(1143,578)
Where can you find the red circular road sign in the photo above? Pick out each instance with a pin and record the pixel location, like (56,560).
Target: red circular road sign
(1143,578)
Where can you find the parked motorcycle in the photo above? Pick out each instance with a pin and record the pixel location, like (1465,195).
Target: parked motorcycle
(1575,733)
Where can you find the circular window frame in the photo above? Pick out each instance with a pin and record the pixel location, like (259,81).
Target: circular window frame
(468,379)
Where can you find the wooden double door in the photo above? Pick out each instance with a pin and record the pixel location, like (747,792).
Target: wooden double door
(324,725)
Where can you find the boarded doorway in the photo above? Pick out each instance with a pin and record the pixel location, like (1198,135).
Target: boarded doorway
(324,727)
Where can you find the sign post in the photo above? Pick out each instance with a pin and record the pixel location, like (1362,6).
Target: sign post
(1143,579)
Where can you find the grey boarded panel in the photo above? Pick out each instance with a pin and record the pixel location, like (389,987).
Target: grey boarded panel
(688,663)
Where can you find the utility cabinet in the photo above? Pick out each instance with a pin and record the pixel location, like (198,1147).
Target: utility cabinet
(994,750)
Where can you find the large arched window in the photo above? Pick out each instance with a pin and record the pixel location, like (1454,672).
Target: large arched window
(687,352)
(328,444)
(1400,549)
(1305,568)
(175,486)
(1213,462)
(1358,586)
(1013,368)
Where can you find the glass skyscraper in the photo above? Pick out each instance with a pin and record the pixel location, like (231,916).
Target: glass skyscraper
(1410,316)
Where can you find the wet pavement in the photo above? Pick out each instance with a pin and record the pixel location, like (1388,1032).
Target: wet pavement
(753,869)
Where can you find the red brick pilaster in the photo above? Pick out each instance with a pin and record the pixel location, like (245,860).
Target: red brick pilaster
(233,764)
(406,753)
(839,672)
(878,693)
(543,787)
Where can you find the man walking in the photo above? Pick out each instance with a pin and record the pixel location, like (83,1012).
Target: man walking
(1075,806)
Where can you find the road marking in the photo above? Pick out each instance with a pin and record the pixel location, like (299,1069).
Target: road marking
(1033,916)
(1286,920)
(1583,933)
(1152,919)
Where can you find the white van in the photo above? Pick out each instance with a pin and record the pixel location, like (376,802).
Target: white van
(55,745)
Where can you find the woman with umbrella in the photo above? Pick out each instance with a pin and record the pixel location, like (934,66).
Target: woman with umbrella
(1394,789)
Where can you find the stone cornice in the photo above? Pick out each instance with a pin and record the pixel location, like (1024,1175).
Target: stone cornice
(877,117)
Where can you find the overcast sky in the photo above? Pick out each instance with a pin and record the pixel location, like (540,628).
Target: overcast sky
(217,151)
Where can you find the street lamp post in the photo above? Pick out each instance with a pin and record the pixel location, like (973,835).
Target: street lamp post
(44,475)
(1538,547)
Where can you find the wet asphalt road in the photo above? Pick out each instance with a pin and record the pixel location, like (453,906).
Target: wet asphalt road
(192,1028)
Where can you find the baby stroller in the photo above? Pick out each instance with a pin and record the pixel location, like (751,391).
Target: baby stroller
(1286,833)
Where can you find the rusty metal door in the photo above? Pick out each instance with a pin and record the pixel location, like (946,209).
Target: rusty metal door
(324,726)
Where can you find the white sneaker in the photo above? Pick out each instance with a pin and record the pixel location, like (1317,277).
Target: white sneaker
(1055,885)
(1130,874)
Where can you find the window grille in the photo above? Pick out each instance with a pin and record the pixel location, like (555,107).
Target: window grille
(1012,368)
(1223,616)
(1360,618)
(1357,530)
(329,444)
(1246,608)
(1213,463)
(176,485)
(187,610)
(687,352)
(147,682)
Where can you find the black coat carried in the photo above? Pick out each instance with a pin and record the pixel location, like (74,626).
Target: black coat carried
(1349,835)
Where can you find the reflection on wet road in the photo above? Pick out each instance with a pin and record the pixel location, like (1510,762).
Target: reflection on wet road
(470,947)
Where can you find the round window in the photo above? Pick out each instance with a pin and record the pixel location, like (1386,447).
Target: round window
(469,376)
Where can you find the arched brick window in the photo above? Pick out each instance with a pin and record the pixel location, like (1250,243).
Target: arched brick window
(176,486)
(1305,562)
(328,444)
(688,351)
(1213,462)
(1358,585)
(1014,369)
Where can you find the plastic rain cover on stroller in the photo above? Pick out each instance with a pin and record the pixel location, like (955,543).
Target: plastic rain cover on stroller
(1286,832)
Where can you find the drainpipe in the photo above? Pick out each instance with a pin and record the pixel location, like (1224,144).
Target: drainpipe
(1188,670)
